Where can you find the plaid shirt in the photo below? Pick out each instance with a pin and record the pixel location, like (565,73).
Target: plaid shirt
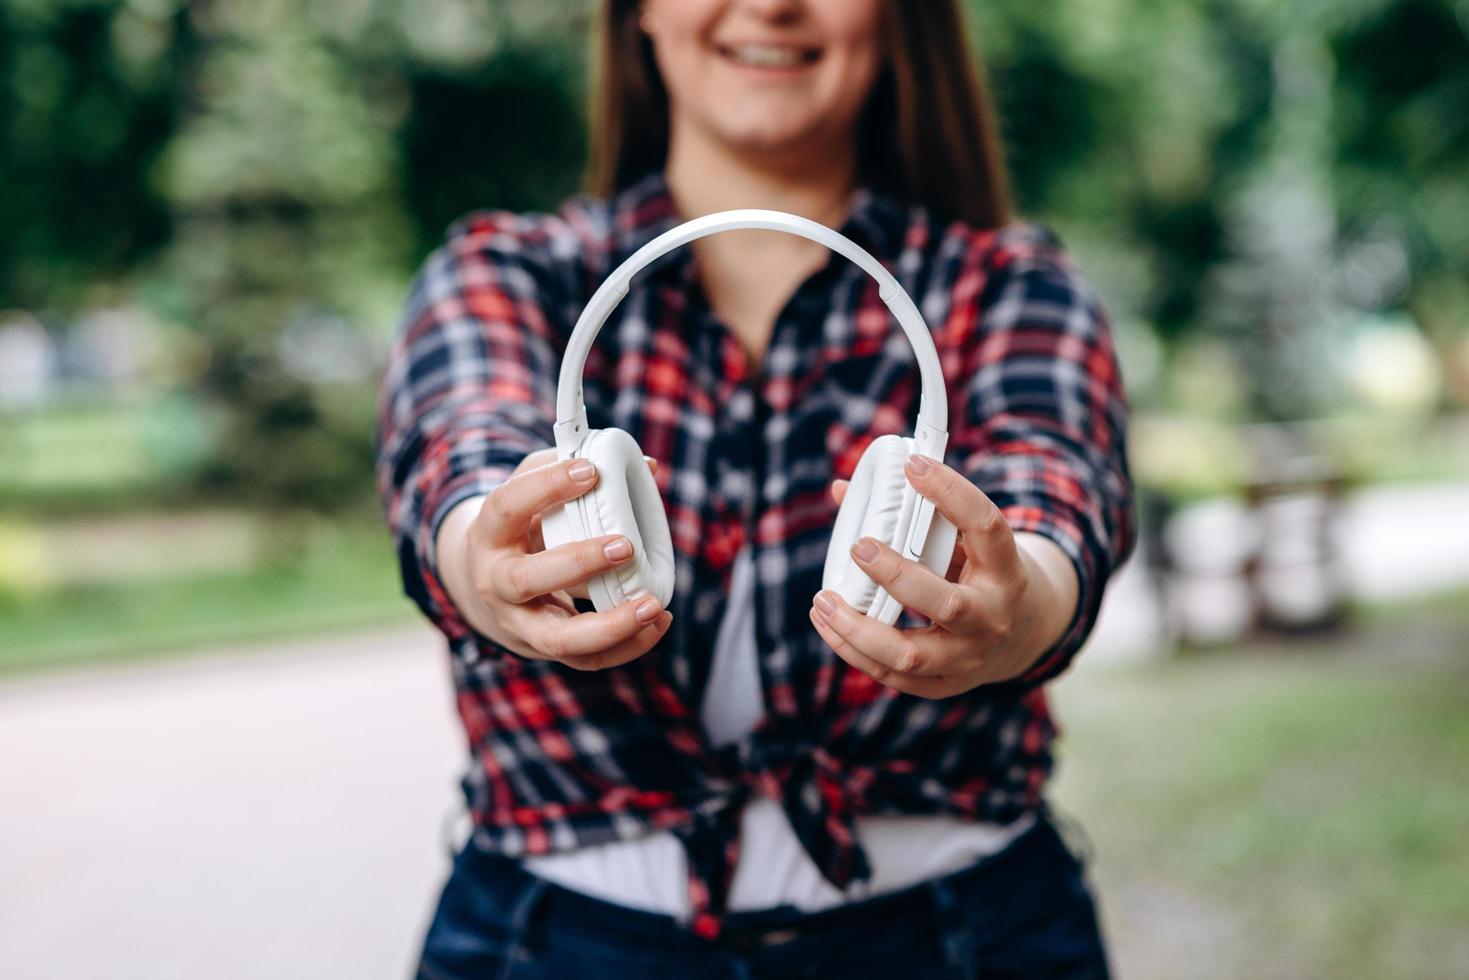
(563,759)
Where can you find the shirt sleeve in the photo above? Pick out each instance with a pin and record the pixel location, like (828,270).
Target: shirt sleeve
(470,382)
(1040,414)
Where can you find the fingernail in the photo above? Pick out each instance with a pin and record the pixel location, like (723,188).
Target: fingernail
(824,605)
(919,465)
(865,549)
(618,550)
(582,470)
(648,610)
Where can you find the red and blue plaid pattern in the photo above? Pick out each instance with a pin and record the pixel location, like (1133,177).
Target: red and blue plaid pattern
(563,759)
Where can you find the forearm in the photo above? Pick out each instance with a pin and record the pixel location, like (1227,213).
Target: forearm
(468,392)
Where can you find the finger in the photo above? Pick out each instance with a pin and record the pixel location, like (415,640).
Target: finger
(947,604)
(626,651)
(507,511)
(561,600)
(536,617)
(957,561)
(652,464)
(534,461)
(521,579)
(924,687)
(988,539)
(592,632)
(909,652)
(839,489)
(537,541)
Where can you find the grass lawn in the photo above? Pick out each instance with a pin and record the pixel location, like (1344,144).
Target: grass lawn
(1293,811)
(344,577)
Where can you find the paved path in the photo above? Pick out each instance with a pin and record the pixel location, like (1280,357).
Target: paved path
(262,815)
(278,814)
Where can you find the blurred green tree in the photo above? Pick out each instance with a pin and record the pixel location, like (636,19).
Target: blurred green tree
(282,180)
(267,174)
(91,92)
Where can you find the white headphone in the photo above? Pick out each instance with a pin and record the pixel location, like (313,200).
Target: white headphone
(879,502)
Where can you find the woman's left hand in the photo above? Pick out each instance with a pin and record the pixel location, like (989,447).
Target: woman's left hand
(1007,598)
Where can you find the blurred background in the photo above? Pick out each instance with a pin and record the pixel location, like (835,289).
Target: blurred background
(226,741)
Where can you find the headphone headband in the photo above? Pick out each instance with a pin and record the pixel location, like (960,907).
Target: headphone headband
(571,413)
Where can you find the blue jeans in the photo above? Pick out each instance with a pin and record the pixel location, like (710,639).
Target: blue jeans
(1025,912)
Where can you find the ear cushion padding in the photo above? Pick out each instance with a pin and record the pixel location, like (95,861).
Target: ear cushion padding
(626,501)
(878,504)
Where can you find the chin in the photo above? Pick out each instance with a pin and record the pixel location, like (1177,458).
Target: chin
(773,137)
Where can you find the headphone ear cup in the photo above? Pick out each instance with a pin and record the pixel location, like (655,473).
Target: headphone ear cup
(626,501)
(878,504)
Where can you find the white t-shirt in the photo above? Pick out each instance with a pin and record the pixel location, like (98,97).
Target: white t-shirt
(650,872)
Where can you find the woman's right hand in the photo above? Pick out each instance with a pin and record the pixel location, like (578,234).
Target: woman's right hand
(517,593)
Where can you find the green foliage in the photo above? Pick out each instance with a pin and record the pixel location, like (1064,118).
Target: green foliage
(516,127)
(90,94)
(1401,107)
(328,578)
(265,174)
(284,183)
(1255,170)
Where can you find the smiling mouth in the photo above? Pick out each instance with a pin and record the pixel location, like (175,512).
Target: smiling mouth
(770,56)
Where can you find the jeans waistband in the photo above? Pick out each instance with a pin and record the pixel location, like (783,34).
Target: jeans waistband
(918,907)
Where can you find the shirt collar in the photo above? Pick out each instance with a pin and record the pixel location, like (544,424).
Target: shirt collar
(645,209)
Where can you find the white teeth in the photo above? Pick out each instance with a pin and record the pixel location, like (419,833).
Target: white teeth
(766,56)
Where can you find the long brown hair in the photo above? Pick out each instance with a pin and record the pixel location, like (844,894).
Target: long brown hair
(928,133)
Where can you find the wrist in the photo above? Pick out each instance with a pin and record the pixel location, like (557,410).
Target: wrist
(452,565)
(1052,593)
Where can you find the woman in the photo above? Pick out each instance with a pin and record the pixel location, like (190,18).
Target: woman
(755,780)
